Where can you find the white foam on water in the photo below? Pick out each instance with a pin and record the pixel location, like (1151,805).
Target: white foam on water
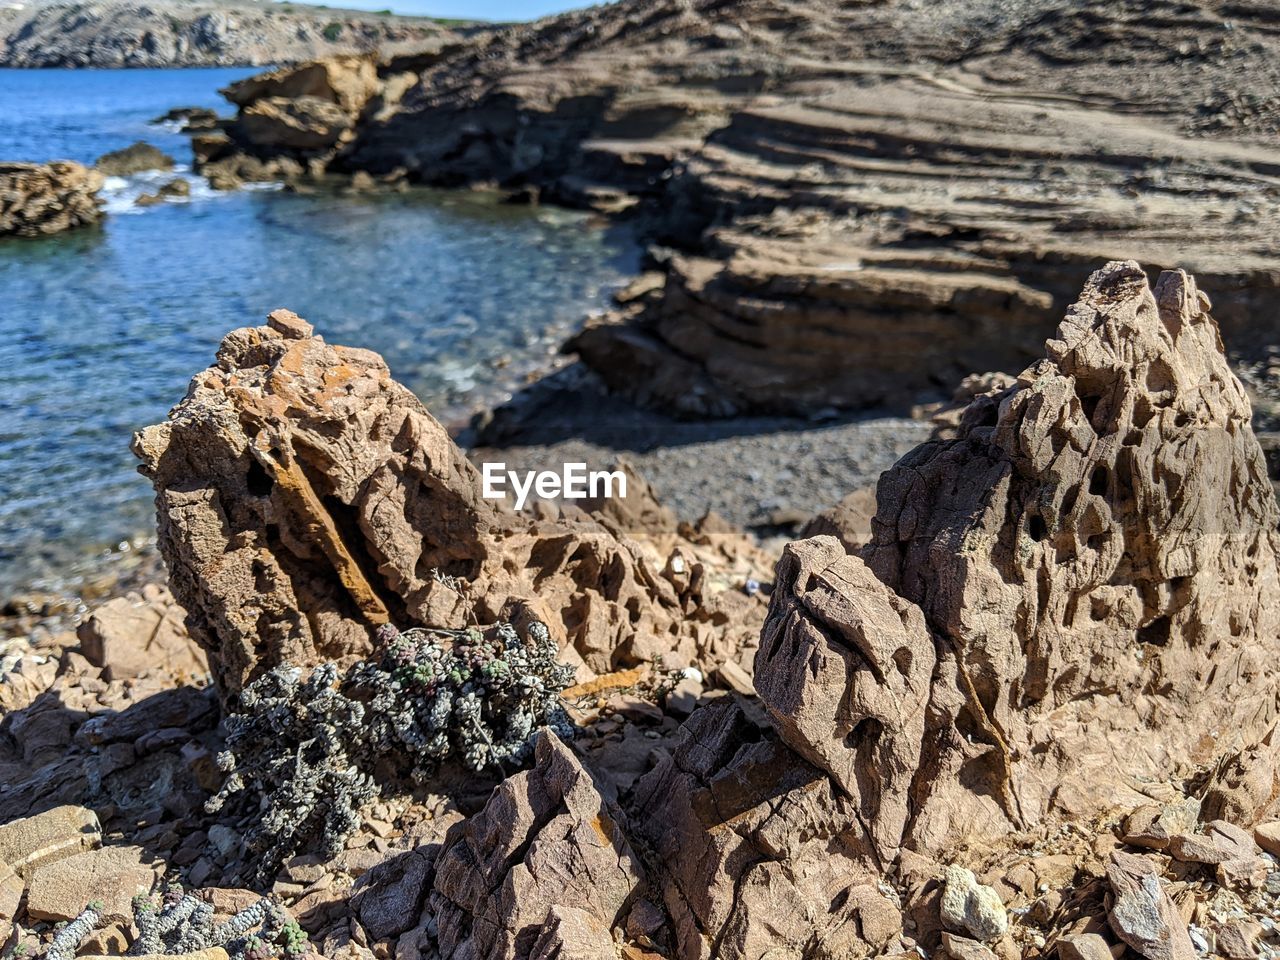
(120,194)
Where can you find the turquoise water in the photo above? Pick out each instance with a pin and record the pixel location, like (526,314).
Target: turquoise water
(101,329)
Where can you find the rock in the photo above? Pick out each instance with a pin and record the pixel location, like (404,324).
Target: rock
(1153,825)
(304,123)
(389,897)
(297,476)
(47,837)
(754,849)
(213,953)
(1246,785)
(972,908)
(849,521)
(1083,946)
(138,157)
(38,199)
(346,82)
(11,890)
(843,671)
(962,948)
(1142,915)
(112,875)
(682,699)
(127,637)
(1238,940)
(1050,541)
(190,118)
(546,837)
(1267,836)
(572,934)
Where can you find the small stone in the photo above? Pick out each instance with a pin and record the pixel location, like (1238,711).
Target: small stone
(1267,836)
(682,700)
(110,941)
(288,323)
(1237,940)
(968,906)
(225,840)
(735,678)
(962,948)
(11,889)
(1083,946)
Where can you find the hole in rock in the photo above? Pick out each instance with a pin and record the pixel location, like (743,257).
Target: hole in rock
(258,481)
(1098,480)
(1156,633)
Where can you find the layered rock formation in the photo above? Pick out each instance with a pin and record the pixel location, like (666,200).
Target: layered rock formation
(1056,605)
(304,498)
(121,33)
(868,200)
(38,199)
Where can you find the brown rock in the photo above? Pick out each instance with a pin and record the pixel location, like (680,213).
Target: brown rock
(1083,946)
(843,671)
(135,158)
(1267,836)
(1074,523)
(297,476)
(757,850)
(1238,939)
(128,637)
(11,890)
(546,837)
(1142,915)
(1153,825)
(38,199)
(32,842)
(849,521)
(962,948)
(570,933)
(347,82)
(302,123)
(112,875)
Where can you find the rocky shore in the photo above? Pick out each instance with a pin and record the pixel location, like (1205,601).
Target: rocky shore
(1027,711)
(43,198)
(852,204)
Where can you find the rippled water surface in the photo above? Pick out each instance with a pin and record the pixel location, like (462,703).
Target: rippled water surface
(100,330)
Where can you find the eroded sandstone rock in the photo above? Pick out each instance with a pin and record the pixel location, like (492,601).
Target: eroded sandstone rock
(1096,545)
(304,497)
(38,199)
(546,838)
(1056,599)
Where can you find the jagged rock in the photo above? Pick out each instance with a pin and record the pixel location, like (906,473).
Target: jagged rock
(298,477)
(1078,519)
(11,890)
(1153,826)
(962,948)
(1142,915)
(37,199)
(546,837)
(1246,786)
(135,158)
(1084,946)
(390,896)
(755,850)
(971,907)
(570,933)
(844,671)
(55,834)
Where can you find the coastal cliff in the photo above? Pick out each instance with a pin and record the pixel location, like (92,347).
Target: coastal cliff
(170,33)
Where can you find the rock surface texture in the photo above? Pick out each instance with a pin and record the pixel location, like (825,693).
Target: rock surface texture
(43,198)
(1056,603)
(305,498)
(865,199)
(124,33)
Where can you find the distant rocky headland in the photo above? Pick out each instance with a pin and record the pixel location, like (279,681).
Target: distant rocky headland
(171,33)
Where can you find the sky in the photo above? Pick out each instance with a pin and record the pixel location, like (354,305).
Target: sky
(470,9)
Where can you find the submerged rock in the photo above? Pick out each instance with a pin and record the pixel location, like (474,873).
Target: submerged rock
(136,158)
(37,199)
